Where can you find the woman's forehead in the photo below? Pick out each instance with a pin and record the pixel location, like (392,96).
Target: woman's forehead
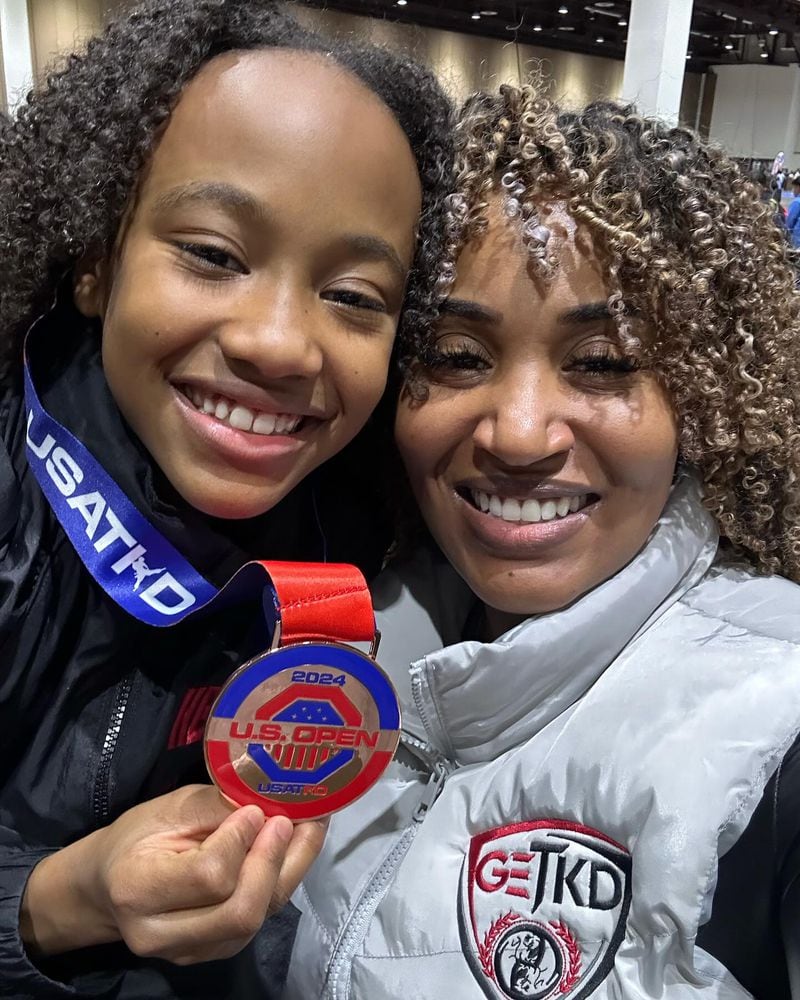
(498,260)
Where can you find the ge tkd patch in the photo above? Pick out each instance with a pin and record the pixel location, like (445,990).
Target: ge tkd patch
(542,909)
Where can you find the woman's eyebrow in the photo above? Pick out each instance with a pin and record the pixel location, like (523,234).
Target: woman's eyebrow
(467,309)
(587,312)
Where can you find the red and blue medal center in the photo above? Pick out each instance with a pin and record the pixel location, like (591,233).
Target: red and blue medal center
(303,730)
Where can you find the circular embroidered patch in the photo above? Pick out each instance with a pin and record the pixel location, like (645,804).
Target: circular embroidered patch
(302,730)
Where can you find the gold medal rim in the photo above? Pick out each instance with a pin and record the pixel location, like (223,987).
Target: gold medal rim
(271,652)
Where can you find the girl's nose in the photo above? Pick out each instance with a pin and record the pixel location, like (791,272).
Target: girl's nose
(278,335)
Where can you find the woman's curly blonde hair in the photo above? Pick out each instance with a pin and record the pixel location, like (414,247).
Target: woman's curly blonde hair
(687,243)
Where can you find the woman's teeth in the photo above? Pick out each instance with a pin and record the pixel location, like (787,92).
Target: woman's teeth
(527,511)
(243,419)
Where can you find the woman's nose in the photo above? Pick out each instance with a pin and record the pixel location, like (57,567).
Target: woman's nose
(525,423)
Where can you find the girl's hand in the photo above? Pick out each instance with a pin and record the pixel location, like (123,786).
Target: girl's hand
(183,877)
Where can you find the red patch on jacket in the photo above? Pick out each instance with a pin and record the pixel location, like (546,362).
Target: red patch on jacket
(542,908)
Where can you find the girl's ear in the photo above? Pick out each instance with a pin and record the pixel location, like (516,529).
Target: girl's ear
(88,290)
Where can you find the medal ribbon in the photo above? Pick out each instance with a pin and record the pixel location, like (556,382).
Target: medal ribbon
(146,576)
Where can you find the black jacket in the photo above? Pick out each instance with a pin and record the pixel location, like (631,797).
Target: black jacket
(88,695)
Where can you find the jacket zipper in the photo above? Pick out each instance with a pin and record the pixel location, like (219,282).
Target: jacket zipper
(102,781)
(337,981)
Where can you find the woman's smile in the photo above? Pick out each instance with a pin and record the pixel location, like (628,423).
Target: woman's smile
(525,524)
(540,454)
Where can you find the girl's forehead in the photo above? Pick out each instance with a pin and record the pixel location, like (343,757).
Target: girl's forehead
(302,89)
(269,119)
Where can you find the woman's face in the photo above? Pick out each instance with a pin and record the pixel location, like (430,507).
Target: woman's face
(541,458)
(251,304)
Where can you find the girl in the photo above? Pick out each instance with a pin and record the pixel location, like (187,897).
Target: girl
(602,440)
(218,211)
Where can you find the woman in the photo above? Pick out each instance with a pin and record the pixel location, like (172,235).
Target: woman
(218,212)
(596,795)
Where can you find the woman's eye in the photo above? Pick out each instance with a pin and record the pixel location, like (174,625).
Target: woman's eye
(604,364)
(213,258)
(454,361)
(354,300)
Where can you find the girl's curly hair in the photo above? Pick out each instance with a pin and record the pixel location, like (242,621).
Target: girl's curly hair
(686,243)
(70,159)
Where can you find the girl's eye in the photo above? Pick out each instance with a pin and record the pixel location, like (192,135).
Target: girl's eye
(604,364)
(212,258)
(354,300)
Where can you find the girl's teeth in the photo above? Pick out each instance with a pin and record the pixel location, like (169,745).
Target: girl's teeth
(529,511)
(242,418)
(265,423)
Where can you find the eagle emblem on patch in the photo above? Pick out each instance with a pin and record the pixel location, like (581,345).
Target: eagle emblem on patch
(542,909)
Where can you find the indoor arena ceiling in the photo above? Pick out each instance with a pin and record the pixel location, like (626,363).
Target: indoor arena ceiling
(723,32)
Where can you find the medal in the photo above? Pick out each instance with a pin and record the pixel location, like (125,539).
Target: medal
(307,727)
(301,730)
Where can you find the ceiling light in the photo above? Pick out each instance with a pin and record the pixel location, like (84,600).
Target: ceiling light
(563,9)
(565,27)
(600,39)
(773,31)
(622,22)
(488,13)
(537,27)
(476,17)
(728,46)
(765,55)
(402,3)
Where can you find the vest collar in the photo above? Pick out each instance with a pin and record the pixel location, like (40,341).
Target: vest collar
(475,701)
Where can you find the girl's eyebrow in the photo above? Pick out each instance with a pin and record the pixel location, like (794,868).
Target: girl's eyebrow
(377,249)
(467,309)
(587,312)
(248,208)
(234,199)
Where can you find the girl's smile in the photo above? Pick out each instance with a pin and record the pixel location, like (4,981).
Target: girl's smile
(250,306)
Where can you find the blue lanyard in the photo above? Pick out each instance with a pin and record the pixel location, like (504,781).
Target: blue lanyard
(130,559)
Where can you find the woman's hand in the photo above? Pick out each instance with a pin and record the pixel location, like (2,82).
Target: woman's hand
(183,877)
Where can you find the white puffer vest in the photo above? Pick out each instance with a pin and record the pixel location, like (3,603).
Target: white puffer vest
(552,826)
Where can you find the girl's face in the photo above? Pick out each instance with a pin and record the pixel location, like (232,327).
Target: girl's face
(251,303)
(540,460)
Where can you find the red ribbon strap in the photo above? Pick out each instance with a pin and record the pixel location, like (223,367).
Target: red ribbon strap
(322,602)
